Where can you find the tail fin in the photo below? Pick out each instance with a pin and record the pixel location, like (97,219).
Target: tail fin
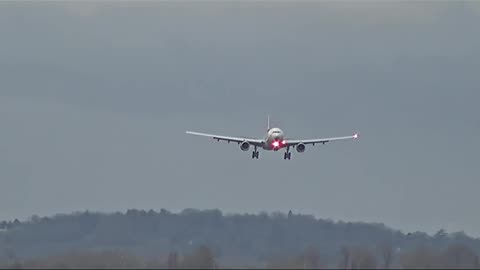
(268,122)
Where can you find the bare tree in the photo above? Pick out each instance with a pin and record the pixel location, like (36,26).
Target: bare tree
(459,256)
(420,258)
(202,258)
(345,254)
(362,258)
(311,258)
(172,260)
(16,265)
(10,254)
(386,253)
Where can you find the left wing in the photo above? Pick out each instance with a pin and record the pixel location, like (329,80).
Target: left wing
(323,141)
(254,142)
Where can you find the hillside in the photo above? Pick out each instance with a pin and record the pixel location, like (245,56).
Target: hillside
(258,240)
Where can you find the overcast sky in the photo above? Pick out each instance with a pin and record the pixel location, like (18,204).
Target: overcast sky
(95,99)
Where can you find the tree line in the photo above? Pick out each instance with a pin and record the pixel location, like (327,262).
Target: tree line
(210,239)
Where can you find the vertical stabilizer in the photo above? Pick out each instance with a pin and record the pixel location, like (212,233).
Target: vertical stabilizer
(268,122)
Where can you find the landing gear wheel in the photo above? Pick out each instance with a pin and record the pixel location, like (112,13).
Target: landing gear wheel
(287,156)
(255,154)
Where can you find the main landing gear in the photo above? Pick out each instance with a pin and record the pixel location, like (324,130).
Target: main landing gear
(288,154)
(255,153)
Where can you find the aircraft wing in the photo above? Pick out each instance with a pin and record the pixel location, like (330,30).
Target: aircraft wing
(255,142)
(322,141)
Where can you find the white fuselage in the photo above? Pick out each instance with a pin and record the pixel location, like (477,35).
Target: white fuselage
(274,140)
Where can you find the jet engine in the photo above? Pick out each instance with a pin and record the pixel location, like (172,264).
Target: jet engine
(300,147)
(244,146)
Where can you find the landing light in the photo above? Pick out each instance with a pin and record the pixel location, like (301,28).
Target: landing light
(275,144)
(284,142)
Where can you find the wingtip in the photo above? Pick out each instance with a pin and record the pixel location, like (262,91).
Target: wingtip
(355,136)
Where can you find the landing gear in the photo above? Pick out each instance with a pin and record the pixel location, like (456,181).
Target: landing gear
(287,154)
(255,153)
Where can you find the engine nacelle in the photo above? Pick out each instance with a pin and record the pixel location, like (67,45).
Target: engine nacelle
(245,146)
(300,147)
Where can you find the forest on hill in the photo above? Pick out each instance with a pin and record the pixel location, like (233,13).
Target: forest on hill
(209,239)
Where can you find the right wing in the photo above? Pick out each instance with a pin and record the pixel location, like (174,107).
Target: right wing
(254,142)
(323,141)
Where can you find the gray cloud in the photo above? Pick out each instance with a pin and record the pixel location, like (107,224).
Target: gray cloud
(94,108)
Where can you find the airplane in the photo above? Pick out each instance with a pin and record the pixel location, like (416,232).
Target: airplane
(274,140)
